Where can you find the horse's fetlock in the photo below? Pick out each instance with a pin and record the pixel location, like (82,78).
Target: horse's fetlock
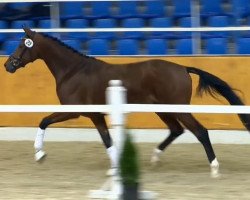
(45,123)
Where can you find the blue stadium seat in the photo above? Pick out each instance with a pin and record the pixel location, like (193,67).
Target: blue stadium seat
(39,11)
(75,44)
(184,46)
(3,25)
(218,21)
(99,9)
(211,7)
(20,6)
(243,46)
(77,23)
(70,10)
(240,8)
(10,46)
(127,47)
(185,22)
(46,24)
(154,8)
(104,23)
(126,9)
(216,46)
(19,24)
(98,47)
(161,22)
(182,8)
(133,23)
(156,47)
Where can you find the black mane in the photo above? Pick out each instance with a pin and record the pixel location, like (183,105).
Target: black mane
(65,45)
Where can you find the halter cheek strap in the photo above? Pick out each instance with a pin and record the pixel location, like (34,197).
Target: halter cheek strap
(29,44)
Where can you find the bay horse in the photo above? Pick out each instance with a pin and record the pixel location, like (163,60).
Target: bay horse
(81,79)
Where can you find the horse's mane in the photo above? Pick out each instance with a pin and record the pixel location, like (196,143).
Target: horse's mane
(65,45)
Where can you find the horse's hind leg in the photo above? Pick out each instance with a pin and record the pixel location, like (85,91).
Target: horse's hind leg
(100,124)
(51,119)
(202,135)
(175,131)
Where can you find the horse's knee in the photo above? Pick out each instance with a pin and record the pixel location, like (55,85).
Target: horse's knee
(176,133)
(176,129)
(173,135)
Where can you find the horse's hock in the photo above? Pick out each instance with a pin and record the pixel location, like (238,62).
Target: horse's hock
(17,89)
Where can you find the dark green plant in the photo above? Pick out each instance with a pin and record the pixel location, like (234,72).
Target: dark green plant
(129,164)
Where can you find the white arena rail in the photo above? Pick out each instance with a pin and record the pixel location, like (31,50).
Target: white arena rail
(127,108)
(148,29)
(52,1)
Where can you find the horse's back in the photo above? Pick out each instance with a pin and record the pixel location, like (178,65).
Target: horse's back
(158,81)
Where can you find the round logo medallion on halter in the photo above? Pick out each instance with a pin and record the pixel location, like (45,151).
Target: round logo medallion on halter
(29,43)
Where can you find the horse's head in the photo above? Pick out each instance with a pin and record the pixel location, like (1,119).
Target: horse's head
(24,53)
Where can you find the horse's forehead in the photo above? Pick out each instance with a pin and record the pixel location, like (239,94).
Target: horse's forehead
(25,37)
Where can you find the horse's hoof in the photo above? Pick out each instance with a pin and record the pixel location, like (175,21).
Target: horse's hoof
(112,172)
(215,169)
(215,175)
(155,160)
(40,156)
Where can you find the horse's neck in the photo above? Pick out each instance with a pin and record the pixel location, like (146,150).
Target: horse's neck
(60,60)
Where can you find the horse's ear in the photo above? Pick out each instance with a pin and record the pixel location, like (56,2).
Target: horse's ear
(29,32)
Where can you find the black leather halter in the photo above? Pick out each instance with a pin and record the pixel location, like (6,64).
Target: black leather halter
(17,61)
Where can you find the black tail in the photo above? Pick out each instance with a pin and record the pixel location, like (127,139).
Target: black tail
(214,85)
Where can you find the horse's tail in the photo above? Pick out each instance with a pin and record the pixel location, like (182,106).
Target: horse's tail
(213,85)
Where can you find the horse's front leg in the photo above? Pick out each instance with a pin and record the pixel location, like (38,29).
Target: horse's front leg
(99,121)
(51,119)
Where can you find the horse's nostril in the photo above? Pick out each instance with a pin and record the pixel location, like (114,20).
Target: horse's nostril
(10,68)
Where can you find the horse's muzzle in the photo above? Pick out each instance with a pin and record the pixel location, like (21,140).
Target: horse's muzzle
(10,68)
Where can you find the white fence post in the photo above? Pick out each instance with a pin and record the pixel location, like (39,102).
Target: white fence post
(116,98)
